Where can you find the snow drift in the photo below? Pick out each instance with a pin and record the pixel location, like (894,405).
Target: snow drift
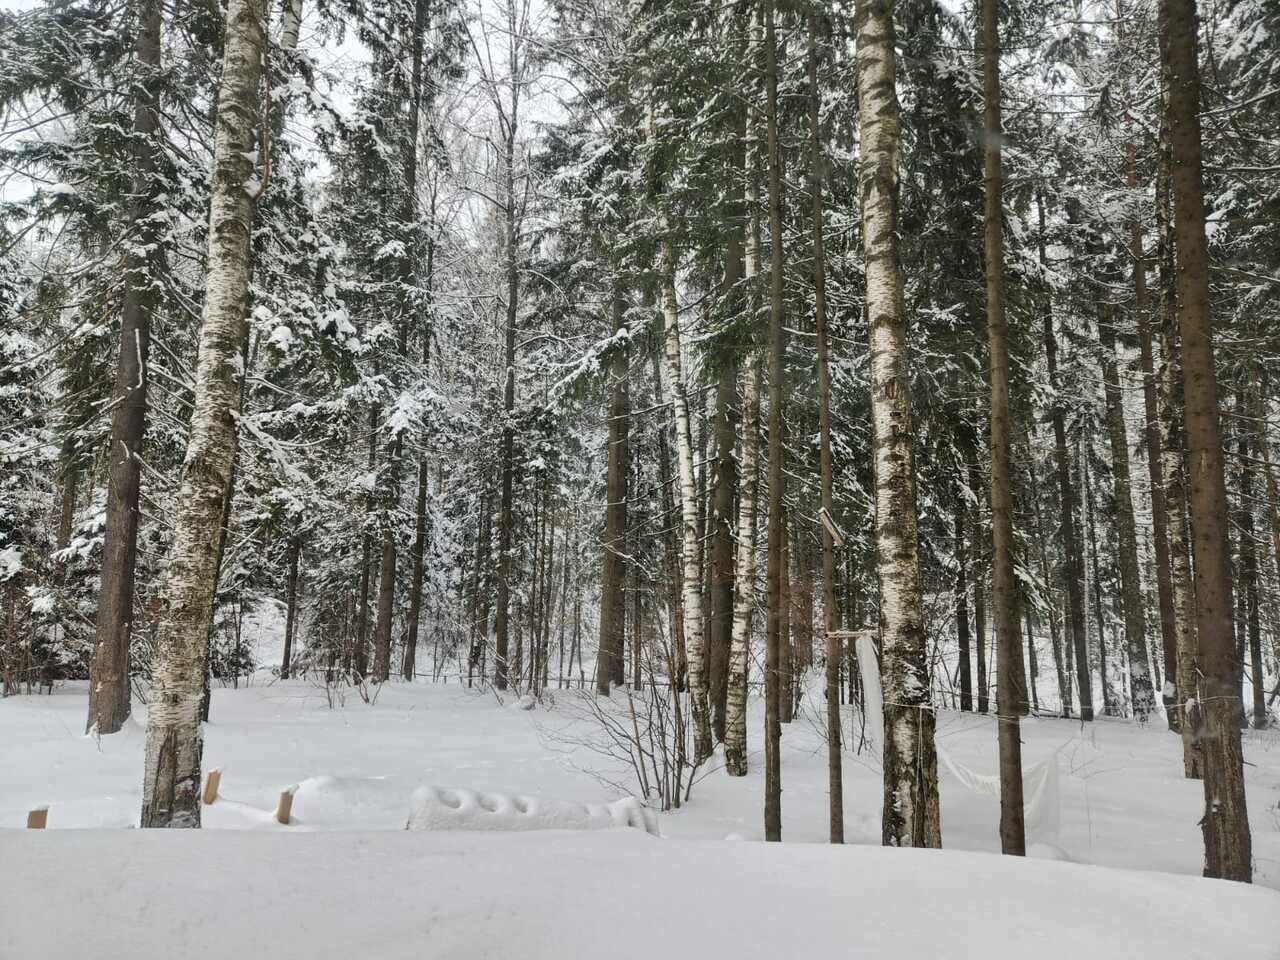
(438,808)
(395,895)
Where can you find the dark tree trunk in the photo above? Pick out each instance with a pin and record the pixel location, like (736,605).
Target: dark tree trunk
(962,604)
(1011,682)
(610,664)
(1142,693)
(777,531)
(1151,439)
(1073,565)
(830,603)
(1091,536)
(109,675)
(1227,841)
(1182,675)
(979,591)
(291,605)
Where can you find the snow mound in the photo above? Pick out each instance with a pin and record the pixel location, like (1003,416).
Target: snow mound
(440,808)
(391,895)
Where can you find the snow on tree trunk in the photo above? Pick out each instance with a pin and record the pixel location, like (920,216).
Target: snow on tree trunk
(109,703)
(171,784)
(744,599)
(911,815)
(744,585)
(1076,640)
(690,574)
(1142,693)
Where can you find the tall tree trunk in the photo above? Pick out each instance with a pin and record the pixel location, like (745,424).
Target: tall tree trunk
(744,591)
(408,270)
(1172,466)
(1059,666)
(610,666)
(675,603)
(505,518)
(786,634)
(691,574)
(171,785)
(1011,684)
(830,603)
(1073,562)
(109,674)
(1142,692)
(725,483)
(1227,841)
(1091,537)
(776,570)
(911,814)
(1249,556)
(1151,439)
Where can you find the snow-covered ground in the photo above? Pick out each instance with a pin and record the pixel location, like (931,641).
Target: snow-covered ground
(1115,797)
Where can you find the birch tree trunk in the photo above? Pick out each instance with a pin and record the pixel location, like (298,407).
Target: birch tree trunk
(744,594)
(691,574)
(1227,841)
(171,783)
(109,703)
(725,474)
(1011,684)
(744,603)
(1142,693)
(911,814)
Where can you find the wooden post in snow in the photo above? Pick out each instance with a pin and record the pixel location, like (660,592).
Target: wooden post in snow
(285,806)
(211,782)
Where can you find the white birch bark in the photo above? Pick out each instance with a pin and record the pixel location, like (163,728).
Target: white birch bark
(744,583)
(291,25)
(691,574)
(744,599)
(911,814)
(171,784)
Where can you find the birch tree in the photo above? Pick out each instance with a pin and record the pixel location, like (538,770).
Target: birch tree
(171,782)
(911,815)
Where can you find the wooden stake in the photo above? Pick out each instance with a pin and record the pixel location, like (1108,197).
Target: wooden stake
(38,818)
(211,782)
(285,806)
